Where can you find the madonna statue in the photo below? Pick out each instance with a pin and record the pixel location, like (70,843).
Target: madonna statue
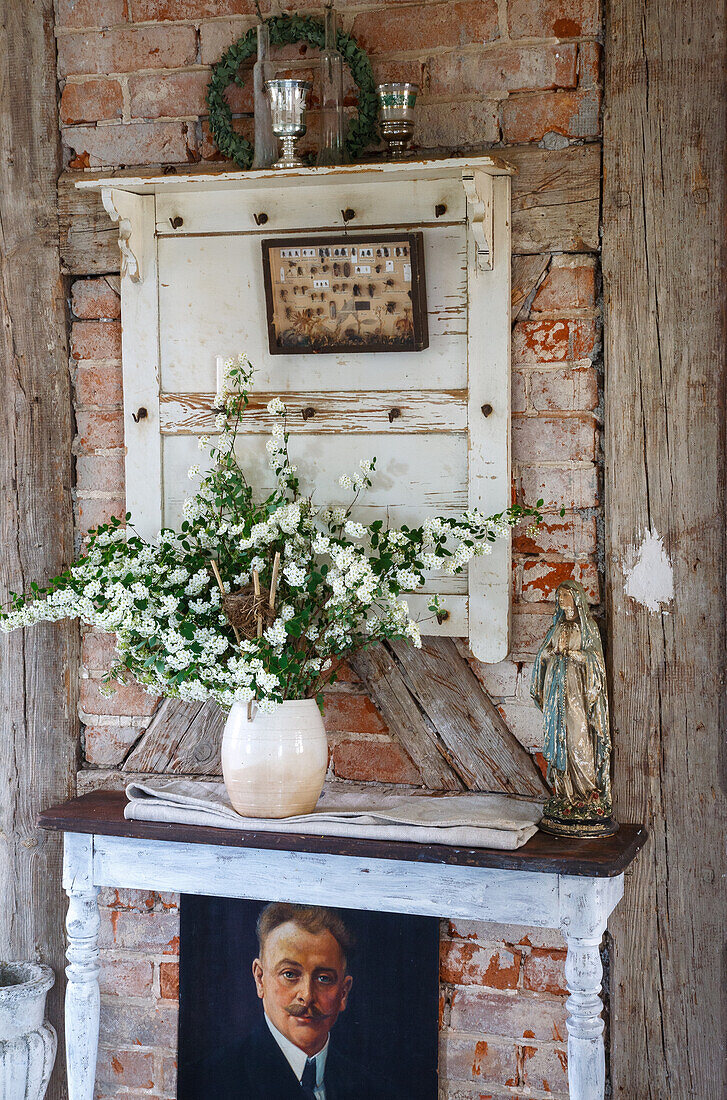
(569,686)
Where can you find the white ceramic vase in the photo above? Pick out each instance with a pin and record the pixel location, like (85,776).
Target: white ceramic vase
(275,764)
(27,1041)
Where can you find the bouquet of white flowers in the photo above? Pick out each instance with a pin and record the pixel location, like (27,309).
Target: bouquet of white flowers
(315,584)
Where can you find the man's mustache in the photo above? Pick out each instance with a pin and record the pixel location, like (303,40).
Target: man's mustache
(300,1011)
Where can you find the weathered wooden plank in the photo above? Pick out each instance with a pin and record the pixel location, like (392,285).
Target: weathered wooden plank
(478,744)
(182,737)
(556,197)
(336,411)
(664,203)
(385,684)
(38,680)
(527,272)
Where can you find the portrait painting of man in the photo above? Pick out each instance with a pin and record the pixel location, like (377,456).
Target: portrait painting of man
(320,1009)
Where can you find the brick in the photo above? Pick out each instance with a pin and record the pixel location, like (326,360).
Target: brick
(94,299)
(504,69)
(546,18)
(106,746)
(478,1060)
(126,978)
(553,439)
(373,761)
(116,1069)
(352,714)
(91,101)
(169,1076)
(91,513)
(589,64)
(544,971)
(126,50)
(152,1026)
(168,95)
(508,934)
(545,1069)
(113,898)
(91,13)
(529,625)
(575,114)
(421,27)
(525,721)
(141,930)
(571,534)
(143,11)
(541,578)
(570,284)
(98,650)
(100,385)
(102,474)
(131,143)
(506,1015)
(548,341)
(99,429)
(457,125)
(128,699)
(169,980)
(96,339)
(571,389)
(470,964)
(216,37)
(388,70)
(572,488)
(520,381)
(209,151)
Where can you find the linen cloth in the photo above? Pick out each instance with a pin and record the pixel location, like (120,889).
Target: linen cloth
(377,813)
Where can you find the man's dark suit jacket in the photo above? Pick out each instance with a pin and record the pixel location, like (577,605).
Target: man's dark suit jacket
(256,1069)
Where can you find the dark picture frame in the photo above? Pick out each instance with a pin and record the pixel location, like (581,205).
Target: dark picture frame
(345,292)
(388,1033)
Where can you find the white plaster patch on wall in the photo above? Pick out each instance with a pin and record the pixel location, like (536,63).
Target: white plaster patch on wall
(649,573)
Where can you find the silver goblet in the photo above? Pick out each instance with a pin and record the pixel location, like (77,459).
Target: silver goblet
(287,107)
(396,115)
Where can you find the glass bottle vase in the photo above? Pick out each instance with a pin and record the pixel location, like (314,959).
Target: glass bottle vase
(332,149)
(266,145)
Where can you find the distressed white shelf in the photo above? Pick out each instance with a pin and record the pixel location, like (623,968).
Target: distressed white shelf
(192,291)
(549,883)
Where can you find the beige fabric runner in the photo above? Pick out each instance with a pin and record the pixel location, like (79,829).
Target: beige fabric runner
(373,812)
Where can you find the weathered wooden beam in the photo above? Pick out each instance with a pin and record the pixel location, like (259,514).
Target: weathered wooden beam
(555,207)
(478,744)
(182,737)
(38,668)
(527,273)
(384,683)
(664,203)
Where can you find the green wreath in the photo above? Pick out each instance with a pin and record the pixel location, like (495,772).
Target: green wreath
(286,29)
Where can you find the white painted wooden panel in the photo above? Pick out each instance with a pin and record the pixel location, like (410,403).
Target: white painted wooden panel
(312,207)
(392,411)
(392,886)
(212,302)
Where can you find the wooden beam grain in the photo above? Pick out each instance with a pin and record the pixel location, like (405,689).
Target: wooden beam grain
(663,259)
(38,667)
(181,738)
(475,738)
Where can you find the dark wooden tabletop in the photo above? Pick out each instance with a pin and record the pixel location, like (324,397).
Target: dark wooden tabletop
(102,812)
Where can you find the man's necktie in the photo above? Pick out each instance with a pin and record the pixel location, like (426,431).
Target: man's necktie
(308,1080)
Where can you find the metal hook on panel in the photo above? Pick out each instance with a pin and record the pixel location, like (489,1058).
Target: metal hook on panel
(348,214)
(176,222)
(261,218)
(394,414)
(140,415)
(308,412)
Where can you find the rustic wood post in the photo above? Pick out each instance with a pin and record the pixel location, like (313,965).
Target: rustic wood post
(38,669)
(663,203)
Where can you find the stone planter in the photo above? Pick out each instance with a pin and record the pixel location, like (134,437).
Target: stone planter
(27,1041)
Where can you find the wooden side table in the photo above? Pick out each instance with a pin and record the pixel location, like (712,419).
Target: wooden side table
(570,885)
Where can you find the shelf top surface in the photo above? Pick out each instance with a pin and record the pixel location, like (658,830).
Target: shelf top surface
(214,178)
(102,813)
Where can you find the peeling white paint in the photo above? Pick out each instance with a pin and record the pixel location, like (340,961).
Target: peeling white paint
(649,573)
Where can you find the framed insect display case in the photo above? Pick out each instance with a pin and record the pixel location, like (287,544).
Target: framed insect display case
(345,293)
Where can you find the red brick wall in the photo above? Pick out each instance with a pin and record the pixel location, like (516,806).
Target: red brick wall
(493,72)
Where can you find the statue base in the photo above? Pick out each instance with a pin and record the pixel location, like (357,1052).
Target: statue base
(580,830)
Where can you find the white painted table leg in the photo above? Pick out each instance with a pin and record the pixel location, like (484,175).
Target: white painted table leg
(83,1001)
(585,905)
(586,1054)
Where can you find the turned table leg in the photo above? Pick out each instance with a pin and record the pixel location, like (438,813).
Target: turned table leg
(83,1000)
(586,904)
